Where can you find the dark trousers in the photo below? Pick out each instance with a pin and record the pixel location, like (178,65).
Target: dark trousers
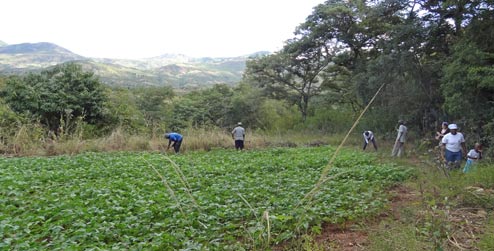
(239,144)
(373,143)
(176,145)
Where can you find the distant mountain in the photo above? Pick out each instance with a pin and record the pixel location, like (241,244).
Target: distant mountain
(19,57)
(176,70)
(2,43)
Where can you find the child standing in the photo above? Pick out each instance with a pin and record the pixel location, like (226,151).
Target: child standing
(473,155)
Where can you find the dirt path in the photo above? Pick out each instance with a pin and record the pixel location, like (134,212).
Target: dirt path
(464,223)
(352,236)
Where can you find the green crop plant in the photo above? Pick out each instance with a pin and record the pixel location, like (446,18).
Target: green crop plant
(217,200)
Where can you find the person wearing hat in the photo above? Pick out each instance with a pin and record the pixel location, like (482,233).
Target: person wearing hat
(176,138)
(400,139)
(453,147)
(238,134)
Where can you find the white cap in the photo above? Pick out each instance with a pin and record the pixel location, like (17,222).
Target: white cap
(453,127)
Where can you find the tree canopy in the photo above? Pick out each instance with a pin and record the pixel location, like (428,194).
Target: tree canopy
(52,96)
(434,58)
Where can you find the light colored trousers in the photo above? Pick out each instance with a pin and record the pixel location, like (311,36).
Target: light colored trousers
(398,149)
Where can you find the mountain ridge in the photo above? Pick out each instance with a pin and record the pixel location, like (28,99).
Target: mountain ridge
(176,70)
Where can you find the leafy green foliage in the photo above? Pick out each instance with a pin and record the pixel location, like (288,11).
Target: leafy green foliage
(468,79)
(122,110)
(62,93)
(486,241)
(220,106)
(117,201)
(291,75)
(361,45)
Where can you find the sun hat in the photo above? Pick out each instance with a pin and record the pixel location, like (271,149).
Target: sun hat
(445,123)
(453,127)
(239,123)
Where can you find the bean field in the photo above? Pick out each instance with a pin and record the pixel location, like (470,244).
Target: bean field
(216,200)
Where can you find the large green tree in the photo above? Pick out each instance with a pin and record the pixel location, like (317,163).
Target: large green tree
(468,82)
(292,74)
(57,95)
(154,103)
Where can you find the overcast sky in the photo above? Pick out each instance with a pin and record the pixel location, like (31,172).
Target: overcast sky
(147,28)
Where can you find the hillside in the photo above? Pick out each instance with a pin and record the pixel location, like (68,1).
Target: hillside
(174,70)
(24,57)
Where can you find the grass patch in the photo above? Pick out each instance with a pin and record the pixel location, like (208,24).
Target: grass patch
(447,214)
(394,236)
(486,241)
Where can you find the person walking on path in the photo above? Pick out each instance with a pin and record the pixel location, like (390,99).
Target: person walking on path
(238,134)
(369,136)
(400,139)
(473,156)
(176,138)
(453,147)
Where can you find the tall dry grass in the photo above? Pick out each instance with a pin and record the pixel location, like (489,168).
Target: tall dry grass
(32,141)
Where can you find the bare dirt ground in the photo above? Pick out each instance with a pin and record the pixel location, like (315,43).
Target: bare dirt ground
(351,236)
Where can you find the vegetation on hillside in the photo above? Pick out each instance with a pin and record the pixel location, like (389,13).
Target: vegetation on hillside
(178,71)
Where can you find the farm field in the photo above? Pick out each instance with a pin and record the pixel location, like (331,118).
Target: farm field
(217,200)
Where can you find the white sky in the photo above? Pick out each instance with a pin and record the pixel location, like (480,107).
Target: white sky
(148,28)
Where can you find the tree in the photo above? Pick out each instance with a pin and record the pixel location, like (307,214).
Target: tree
(245,106)
(121,110)
(207,107)
(293,74)
(376,43)
(57,95)
(468,82)
(153,102)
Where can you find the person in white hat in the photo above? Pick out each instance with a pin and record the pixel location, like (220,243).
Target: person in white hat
(453,147)
(238,134)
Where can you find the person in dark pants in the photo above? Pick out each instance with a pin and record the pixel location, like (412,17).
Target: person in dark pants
(369,136)
(176,138)
(238,134)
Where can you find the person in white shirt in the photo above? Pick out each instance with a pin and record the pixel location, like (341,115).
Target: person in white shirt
(400,139)
(473,156)
(369,136)
(238,134)
(453,147)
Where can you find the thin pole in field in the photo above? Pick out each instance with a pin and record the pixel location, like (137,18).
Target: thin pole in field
(323,178)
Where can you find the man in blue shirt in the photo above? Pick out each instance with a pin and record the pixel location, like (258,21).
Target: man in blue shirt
(176,138)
